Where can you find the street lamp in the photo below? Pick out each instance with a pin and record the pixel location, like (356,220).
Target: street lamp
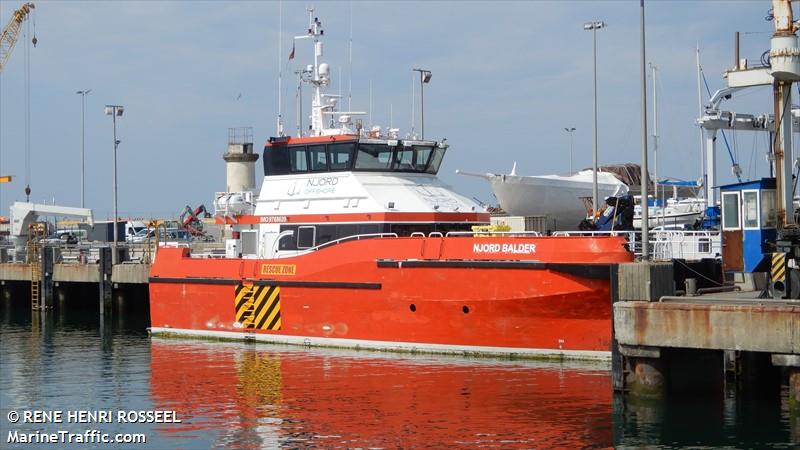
(83,95)
(424,78)
(115,111)
(593,27)
(570,130)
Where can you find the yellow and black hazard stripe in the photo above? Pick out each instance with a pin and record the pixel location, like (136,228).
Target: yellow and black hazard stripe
(258,307)
(778,267)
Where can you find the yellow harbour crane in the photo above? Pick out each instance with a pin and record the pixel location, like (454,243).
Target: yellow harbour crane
(11,32)
(7,40)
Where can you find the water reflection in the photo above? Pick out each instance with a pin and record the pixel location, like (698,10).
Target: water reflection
(236,395)
(268,396)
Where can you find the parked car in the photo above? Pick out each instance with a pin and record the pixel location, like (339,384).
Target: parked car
(64,237)
(172,234)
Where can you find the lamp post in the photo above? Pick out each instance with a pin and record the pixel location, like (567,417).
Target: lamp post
(115,111)
(83,95)
(424,78)
(593,27)
(570,130)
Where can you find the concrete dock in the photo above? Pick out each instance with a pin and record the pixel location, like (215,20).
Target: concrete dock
(666,344)
(61,271)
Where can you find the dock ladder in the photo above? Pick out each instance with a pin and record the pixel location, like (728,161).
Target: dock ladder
(36,232)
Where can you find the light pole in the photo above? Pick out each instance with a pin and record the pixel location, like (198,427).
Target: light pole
(424,78)
(83,95)
(115,111)
(593,27)
(570,130)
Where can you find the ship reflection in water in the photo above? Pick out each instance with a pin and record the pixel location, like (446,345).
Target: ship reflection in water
(258,396)
(239,395)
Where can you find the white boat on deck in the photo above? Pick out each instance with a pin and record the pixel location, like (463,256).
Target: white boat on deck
(556,196)
(676,214)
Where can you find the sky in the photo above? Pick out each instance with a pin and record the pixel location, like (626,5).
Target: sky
(508,77)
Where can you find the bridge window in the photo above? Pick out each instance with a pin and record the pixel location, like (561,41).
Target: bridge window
(276,161)
(298,159)
(318,157)
(436,160)
(341,155)
(374,157)
(405,159)
(363,156)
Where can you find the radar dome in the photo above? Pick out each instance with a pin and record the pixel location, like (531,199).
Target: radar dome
(324,70)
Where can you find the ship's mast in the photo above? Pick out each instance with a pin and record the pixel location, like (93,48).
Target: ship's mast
(314,32)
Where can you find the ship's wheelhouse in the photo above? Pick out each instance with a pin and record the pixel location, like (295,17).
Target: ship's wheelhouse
(284,157)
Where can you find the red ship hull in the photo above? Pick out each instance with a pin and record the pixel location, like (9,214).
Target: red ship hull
(532,296)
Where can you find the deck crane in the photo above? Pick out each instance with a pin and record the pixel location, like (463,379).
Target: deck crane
(11,32)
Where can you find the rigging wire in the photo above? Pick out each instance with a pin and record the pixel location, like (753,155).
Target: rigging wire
(27,125)
(724,137)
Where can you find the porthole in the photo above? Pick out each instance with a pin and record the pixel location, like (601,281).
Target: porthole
(465,309)
(413,307)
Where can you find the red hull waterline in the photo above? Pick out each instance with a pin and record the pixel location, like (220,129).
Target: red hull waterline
(513,296)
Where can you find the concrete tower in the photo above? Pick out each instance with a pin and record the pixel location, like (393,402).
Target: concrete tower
(240,161)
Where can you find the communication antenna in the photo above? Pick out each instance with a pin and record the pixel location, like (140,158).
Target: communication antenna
(350,68)
(280,69)
(413,100)
(370,104)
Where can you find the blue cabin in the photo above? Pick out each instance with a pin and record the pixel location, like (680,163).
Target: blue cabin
(749,222)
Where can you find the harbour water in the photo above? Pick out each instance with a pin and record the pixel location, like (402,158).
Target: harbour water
(239,395)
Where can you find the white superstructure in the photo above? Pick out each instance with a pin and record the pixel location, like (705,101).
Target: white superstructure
(335,181)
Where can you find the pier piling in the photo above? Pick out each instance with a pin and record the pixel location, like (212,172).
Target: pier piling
(703,345)
(47,259)
(106,285)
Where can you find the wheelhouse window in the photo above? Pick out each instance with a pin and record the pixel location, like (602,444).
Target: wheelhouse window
(341,155)
(436,160)
(359,156)
(318,157)
(276,160)
(298,161)
(374,157)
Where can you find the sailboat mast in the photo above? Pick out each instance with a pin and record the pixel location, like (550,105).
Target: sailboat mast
(700,114)
(653,68)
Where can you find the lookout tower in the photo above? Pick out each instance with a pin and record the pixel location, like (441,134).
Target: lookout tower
(240,161)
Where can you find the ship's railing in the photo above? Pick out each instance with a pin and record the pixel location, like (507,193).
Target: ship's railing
(493,233)
(691,245)
(665,245)
(355,237)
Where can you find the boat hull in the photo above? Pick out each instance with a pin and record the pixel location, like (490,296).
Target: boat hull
(408,294)
(558,199)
